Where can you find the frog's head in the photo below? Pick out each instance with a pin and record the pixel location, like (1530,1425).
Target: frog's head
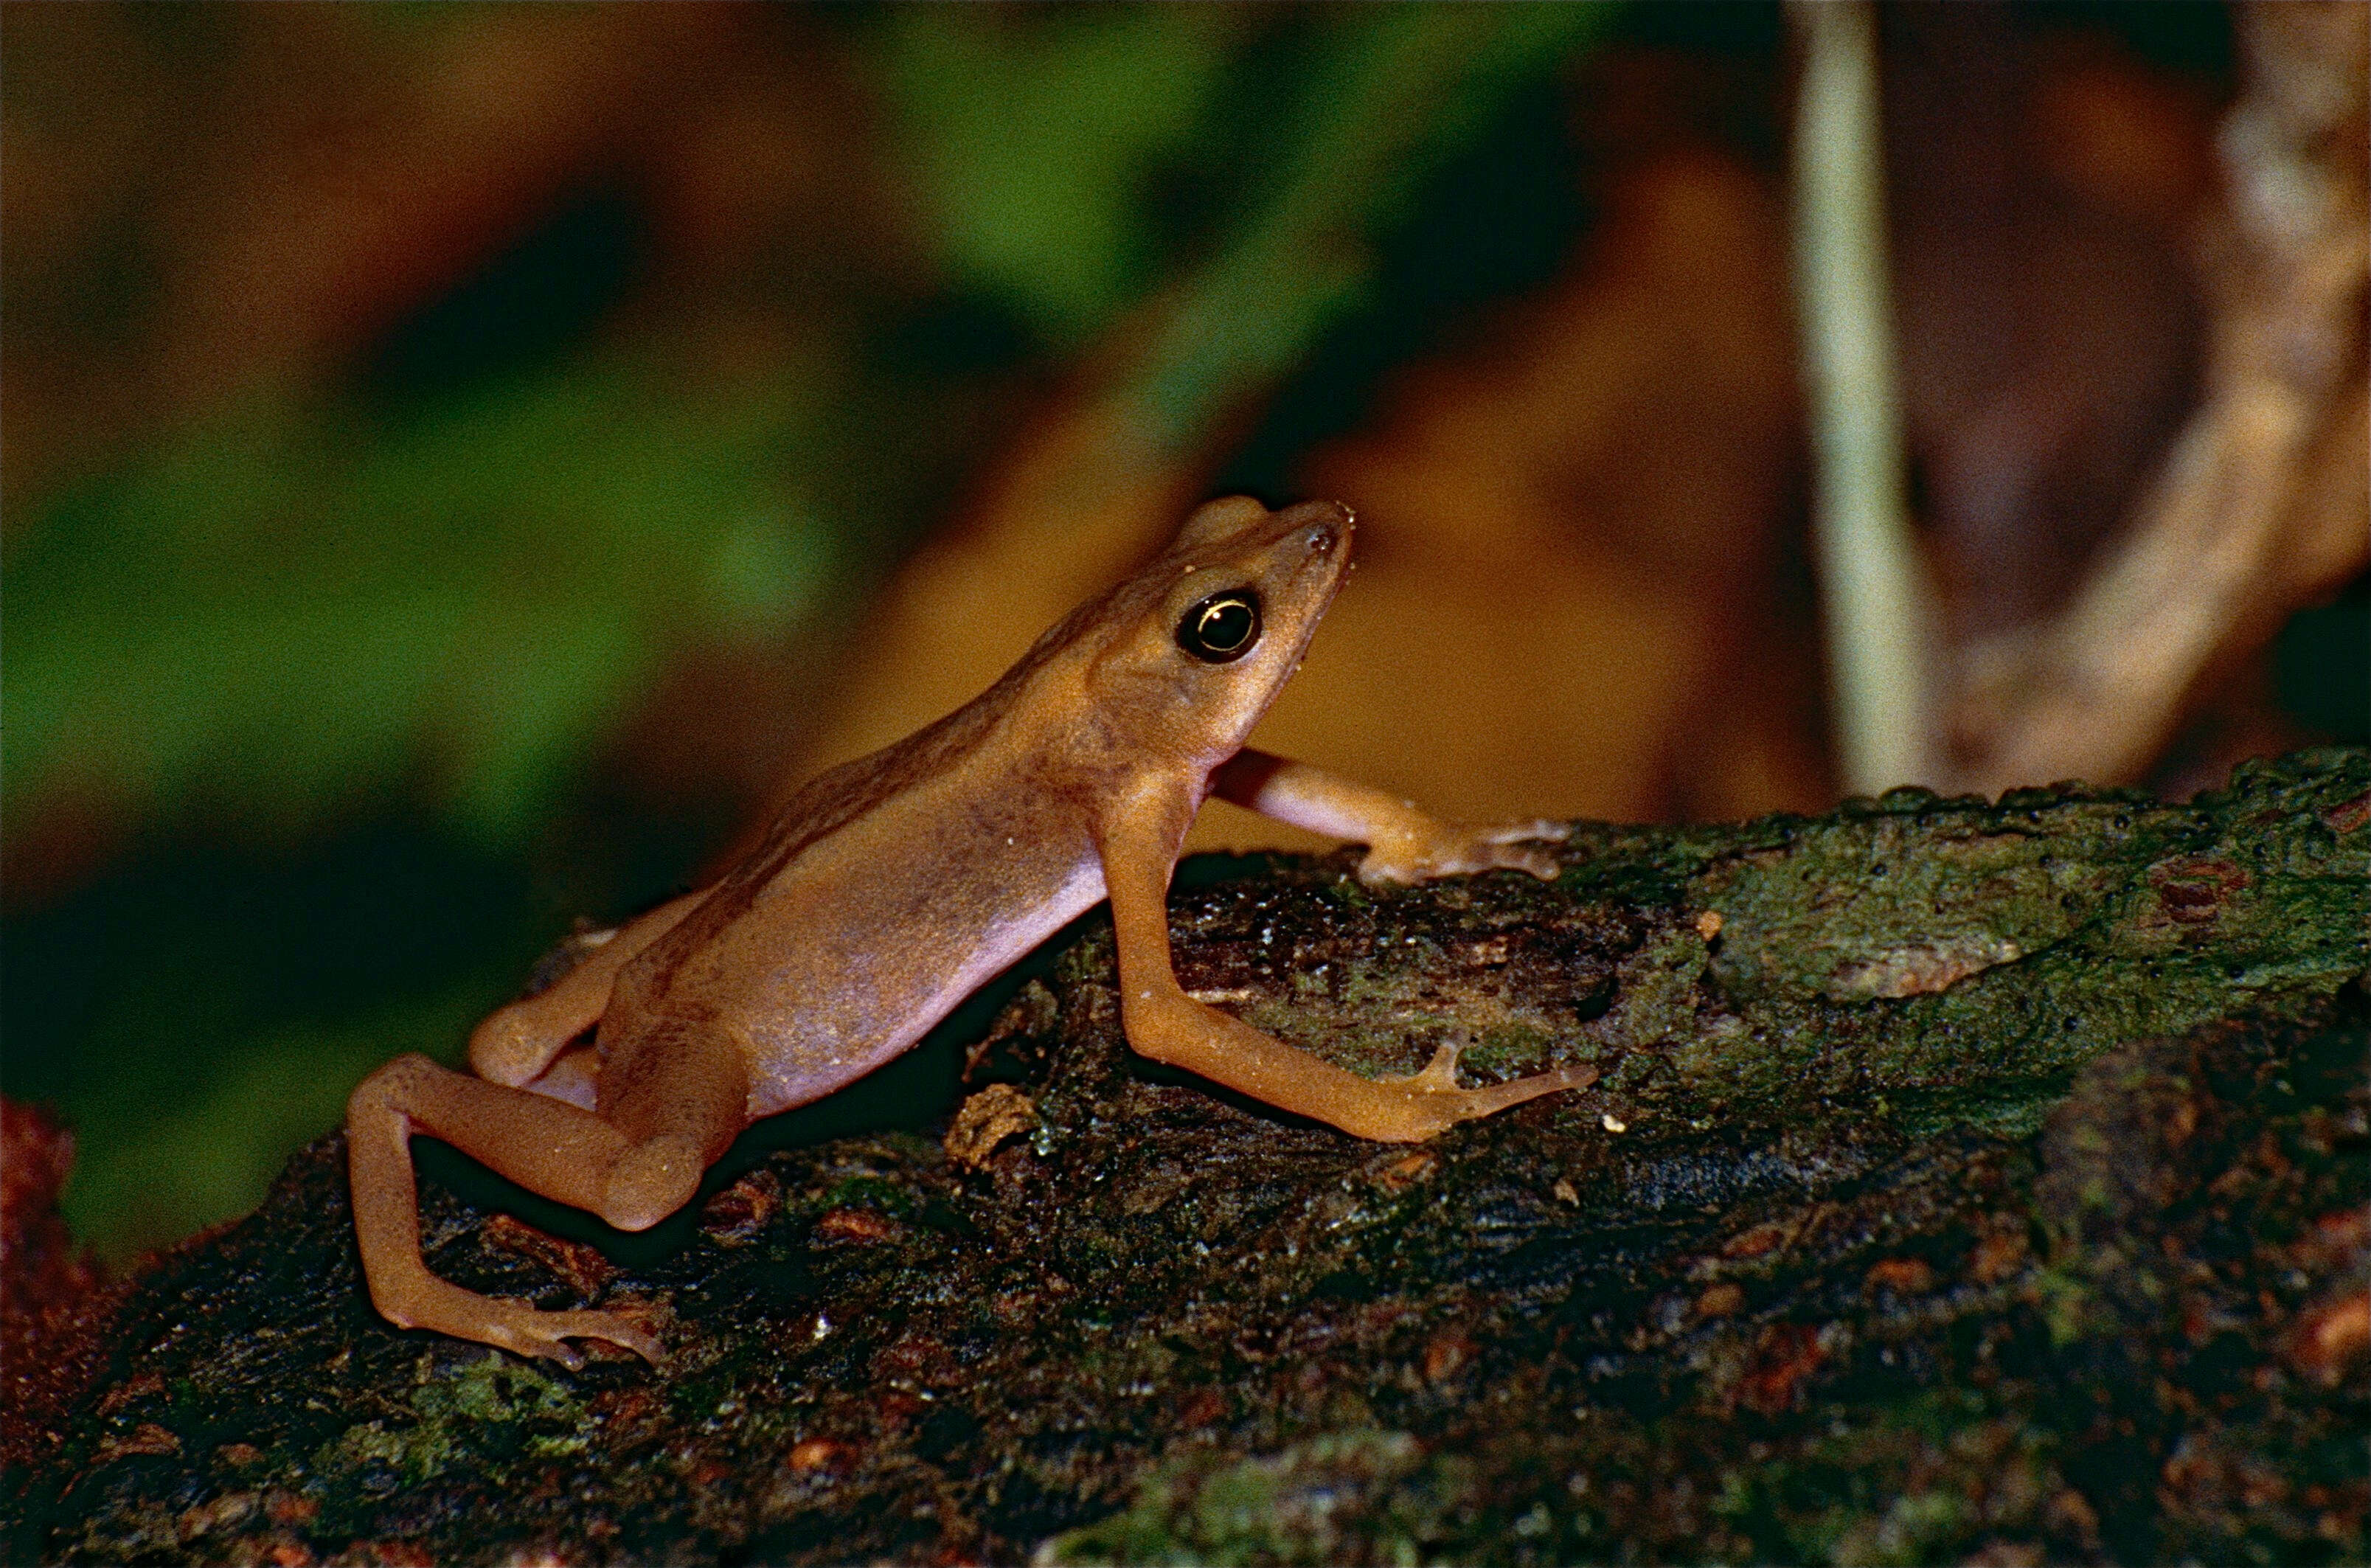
(1195,647)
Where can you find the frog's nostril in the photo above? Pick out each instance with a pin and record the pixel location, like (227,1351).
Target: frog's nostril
(1335,533)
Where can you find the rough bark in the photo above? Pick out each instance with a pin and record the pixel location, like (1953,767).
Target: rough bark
(1986,1181)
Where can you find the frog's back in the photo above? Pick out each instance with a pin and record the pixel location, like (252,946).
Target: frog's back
(970,742)
(888,889)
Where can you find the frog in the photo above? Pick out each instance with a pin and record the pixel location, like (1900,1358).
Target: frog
(888,889)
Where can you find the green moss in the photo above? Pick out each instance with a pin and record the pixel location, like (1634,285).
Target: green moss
(487,1409)
(1309,1502)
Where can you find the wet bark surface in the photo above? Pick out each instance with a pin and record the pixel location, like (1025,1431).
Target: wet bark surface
(1963,1180)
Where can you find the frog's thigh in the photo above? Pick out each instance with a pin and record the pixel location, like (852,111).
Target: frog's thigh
(679,1092)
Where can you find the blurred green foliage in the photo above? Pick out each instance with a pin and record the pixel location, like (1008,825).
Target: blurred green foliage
(284,604)
(423,597)
(281,608)
(1396,92)
(1042,152)
(1036,145)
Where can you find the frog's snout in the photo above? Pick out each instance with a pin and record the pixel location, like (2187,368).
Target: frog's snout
(1329,534)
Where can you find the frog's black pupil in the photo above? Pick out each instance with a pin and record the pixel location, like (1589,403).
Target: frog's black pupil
(1220,628)
(1225,626)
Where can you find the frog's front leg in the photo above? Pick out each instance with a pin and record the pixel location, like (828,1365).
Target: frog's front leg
(1138,841)
(634,1163)
(1404,843)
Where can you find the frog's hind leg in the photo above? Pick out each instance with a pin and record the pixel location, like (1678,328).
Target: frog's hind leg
(543,1145)
(515,1043)
(677,1087)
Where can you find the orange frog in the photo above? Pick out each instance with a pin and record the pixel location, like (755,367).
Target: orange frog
(893,887)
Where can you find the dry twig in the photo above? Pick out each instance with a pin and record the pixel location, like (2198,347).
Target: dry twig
(2262,505)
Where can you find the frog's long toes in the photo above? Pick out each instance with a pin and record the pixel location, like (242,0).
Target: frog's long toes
(1504,855)
(537,1344)
(1439,1074)
(531,1333)
(615,1329)
(644,1345)
(1495,1098)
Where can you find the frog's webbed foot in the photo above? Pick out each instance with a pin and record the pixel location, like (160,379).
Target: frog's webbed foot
(516,1326)
(1437,1103)
(1422,848)
(513,1325)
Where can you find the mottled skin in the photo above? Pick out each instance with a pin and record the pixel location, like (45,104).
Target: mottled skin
(892,886)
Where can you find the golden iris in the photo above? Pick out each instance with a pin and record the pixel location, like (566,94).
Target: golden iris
(1222,627)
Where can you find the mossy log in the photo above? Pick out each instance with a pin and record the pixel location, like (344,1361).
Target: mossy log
(1964,1181)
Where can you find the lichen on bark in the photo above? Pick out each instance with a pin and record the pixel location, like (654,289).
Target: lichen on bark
(1962,1180)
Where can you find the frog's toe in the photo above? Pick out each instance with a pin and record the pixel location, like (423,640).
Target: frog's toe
(1514,846)
(1492,1098)
(1540,862)
(522,1331)
(1405,865)
(544,1335)
(1437,1103)
(1452,850)
(1483,853)
(1539,829)
(615,1327)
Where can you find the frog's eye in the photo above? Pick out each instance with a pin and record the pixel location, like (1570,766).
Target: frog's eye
(1221,628)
